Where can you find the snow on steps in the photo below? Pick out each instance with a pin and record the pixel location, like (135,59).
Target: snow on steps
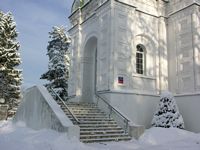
(95,125)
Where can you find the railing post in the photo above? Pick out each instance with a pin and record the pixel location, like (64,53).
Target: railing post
(126,126)
(110,111)
(97,100)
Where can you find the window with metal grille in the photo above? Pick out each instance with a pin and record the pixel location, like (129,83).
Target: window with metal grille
(140,59)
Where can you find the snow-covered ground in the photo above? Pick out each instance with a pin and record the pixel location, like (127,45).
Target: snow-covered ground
(19,137)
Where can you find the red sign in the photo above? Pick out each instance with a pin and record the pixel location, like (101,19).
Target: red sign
(120,80)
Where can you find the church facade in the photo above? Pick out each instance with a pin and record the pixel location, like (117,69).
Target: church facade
(129,51)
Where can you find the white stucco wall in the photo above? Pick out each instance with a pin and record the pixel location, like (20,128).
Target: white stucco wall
(189,108)
(139,109)
(183,49)
(39,110)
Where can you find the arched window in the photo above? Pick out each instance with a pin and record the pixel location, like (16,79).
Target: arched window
(140,59)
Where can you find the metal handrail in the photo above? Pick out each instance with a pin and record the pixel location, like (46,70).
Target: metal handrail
(115,110)
(74,117)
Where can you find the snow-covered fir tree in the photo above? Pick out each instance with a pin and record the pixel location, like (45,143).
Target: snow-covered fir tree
(58,52)
(10,75)
(167,114)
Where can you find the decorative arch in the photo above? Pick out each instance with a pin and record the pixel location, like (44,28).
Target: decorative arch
(89,36)
(145,40)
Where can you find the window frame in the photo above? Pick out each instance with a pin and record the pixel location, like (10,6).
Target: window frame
(140,59)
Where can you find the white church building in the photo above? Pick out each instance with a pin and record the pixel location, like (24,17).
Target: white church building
(129,51)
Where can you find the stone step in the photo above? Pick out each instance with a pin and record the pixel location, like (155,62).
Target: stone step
(92,120)
(87,111)
(65,109)
(83,122)
(103,136)
(105,139)
(84,108)
(86,114)
(68,114)
(78,107)
(102,132)
(97,122)
(97,125)
(95,119)
(81,104)
(59,102)
(99,128)
(90,117)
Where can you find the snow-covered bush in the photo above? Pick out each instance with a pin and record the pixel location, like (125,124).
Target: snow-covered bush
(167,114)
(58,52)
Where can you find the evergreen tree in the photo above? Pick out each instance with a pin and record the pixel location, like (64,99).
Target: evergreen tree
(58,66)
(167,114)
(10,76)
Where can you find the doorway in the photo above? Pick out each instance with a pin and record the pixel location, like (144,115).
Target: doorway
(89,70)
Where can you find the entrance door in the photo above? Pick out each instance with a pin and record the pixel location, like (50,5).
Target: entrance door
(89,70)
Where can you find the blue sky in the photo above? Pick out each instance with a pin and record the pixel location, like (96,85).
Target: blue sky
(35,18)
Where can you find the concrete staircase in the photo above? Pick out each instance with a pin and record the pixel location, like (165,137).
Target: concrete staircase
(95,125)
